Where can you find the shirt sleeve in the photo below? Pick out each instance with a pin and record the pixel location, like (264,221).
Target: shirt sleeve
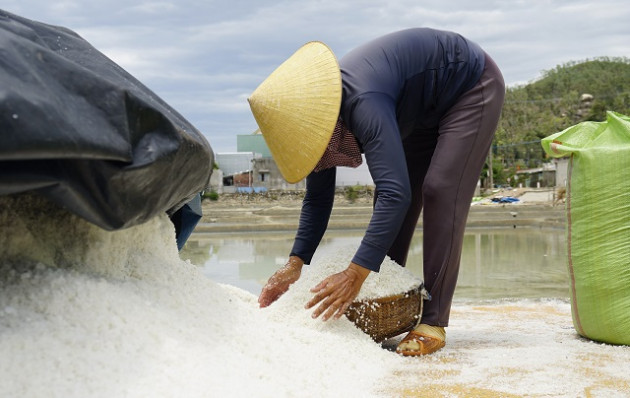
(315,213)
(372,119)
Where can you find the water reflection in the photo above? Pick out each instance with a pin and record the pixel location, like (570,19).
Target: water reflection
(496,263)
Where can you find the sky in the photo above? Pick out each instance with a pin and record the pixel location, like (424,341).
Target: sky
(205,57)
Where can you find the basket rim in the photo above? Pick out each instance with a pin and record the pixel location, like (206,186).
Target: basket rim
(418,290)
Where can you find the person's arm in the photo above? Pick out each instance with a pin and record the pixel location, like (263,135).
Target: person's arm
(373,121)
(316,209)
(386,160)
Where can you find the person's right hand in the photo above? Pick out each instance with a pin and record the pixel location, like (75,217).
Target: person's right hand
(279,282)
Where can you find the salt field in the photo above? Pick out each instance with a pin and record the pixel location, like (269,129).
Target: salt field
(86,312)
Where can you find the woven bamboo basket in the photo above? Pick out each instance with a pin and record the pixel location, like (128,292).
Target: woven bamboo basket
(385,317)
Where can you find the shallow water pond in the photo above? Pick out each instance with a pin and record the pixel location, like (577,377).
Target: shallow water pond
(496,263)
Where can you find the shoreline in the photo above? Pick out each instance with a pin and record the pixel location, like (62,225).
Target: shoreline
(256,212)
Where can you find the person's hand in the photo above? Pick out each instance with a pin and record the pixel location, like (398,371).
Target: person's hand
(337,292)
(279,282)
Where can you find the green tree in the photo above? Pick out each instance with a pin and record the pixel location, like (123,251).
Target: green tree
(553,103)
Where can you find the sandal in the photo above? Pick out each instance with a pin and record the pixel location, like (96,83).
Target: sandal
(416,344)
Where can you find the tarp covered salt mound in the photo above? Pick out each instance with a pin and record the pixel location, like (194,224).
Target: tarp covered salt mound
(78,129)
(598,225)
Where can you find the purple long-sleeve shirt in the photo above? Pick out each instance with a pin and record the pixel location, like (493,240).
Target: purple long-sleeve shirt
(396,85)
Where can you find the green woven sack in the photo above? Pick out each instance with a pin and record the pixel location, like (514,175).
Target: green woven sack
(598,225)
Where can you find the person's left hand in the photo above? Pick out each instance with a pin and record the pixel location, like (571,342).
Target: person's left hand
(337,292)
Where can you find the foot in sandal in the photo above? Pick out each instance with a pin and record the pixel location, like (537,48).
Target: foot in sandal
(423,340)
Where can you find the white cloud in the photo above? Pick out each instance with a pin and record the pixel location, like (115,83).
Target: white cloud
(153,7)
(206,57)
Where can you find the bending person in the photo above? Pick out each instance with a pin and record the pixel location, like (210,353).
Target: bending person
(422,105)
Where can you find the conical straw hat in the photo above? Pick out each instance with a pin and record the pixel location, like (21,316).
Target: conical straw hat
(297,107)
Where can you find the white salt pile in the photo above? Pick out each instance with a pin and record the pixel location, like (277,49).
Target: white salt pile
(85,312)
(89,313)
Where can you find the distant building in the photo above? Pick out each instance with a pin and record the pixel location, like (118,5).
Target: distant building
(253,169)
(266,174)
(232,163)
(254,142)
(562,172)
(552,174)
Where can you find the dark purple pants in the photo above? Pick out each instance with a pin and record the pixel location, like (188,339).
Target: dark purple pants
(444,167)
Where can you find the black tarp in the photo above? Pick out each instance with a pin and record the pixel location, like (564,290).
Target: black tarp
(79,130)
